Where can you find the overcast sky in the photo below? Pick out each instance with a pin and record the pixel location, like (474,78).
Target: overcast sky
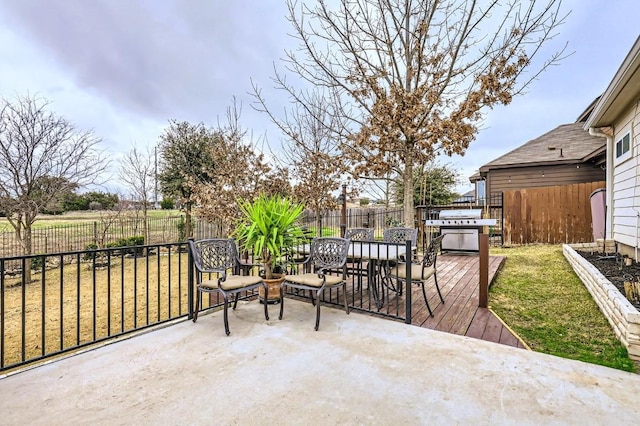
(124,68)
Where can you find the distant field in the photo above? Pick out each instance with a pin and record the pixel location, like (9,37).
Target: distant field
(74,218)
(80,230)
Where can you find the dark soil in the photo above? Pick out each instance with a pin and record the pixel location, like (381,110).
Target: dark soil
(614,269)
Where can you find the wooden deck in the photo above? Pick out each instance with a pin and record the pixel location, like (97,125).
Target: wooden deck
(458,277)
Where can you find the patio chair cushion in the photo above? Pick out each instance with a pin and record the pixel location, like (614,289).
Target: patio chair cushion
(400,271)
(312,279)
(232,282)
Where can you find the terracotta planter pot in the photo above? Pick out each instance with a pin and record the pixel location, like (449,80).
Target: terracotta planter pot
(274,289)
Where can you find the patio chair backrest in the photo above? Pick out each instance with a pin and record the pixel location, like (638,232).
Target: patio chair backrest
(431,254)
(359,234)
(328,252)
(214,254)
(401,235)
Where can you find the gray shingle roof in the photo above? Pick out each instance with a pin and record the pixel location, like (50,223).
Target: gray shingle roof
(567,143)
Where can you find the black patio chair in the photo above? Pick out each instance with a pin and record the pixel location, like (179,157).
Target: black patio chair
(325,254)
(400,235)
(356,266)
(219,256)
(420,272)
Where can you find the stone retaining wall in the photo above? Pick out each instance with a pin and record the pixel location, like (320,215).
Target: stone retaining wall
(622,315)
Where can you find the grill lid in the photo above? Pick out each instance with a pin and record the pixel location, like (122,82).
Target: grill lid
(461,214)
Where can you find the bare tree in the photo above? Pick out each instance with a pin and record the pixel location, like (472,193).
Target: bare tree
(137,173)
(378,190)
(311,154)
(240,171)
(108,218)
(41,157)
(411,77)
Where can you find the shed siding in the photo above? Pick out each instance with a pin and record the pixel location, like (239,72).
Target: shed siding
(626,183)
(499,180)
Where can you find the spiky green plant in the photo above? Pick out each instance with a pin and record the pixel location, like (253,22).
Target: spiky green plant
(269,228)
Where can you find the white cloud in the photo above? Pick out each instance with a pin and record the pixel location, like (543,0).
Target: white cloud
(124,68)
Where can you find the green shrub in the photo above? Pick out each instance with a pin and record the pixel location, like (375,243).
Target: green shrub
(182,229)
(37,262)
(167,204)
(137,240)
(392,222)
(90,246)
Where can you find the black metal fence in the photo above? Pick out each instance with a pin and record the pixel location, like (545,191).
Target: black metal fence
(75,299)
(377,218)
(70,300)
(82,236)
(492,207)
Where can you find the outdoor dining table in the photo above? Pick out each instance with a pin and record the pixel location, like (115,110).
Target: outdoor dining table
(378,256)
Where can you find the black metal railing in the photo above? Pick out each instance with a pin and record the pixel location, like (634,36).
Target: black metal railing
(87,235)
(377,218)
(492,207)
(368,290)
(55,303)
(58,303)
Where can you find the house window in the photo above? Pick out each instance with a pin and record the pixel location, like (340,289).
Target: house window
(480,191)
(623,146)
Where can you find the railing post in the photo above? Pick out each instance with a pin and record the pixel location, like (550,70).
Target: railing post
(483,298)
(408,292)
(343,198)
(190,277)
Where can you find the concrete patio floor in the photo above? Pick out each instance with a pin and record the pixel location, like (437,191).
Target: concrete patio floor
(355,370)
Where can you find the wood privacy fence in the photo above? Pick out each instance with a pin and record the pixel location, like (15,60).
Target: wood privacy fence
(550,215)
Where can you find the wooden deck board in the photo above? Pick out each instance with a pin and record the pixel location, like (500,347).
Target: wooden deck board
(458,277)
(506,338)
(478,324)
(493,330)
(454,286)
(463,305)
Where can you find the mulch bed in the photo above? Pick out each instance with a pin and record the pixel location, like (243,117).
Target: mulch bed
(614,269)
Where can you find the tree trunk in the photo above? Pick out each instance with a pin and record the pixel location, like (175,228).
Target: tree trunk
(318,223)
(407,179)
(27,245)
(145,218)
(187,217)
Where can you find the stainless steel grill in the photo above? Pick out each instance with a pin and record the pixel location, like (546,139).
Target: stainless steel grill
(460,229)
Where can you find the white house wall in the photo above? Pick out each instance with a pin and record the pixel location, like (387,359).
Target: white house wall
(626,184)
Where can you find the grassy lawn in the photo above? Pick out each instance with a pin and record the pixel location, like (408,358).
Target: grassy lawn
(95,304)
(74,218)
(74,230)
(540,297)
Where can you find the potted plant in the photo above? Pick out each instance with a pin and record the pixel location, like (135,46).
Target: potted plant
(269,229)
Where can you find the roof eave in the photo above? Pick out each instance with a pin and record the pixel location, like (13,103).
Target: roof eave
(617,97)
(542,163)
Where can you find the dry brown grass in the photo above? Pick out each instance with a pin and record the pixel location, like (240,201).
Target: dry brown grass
(92,306)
